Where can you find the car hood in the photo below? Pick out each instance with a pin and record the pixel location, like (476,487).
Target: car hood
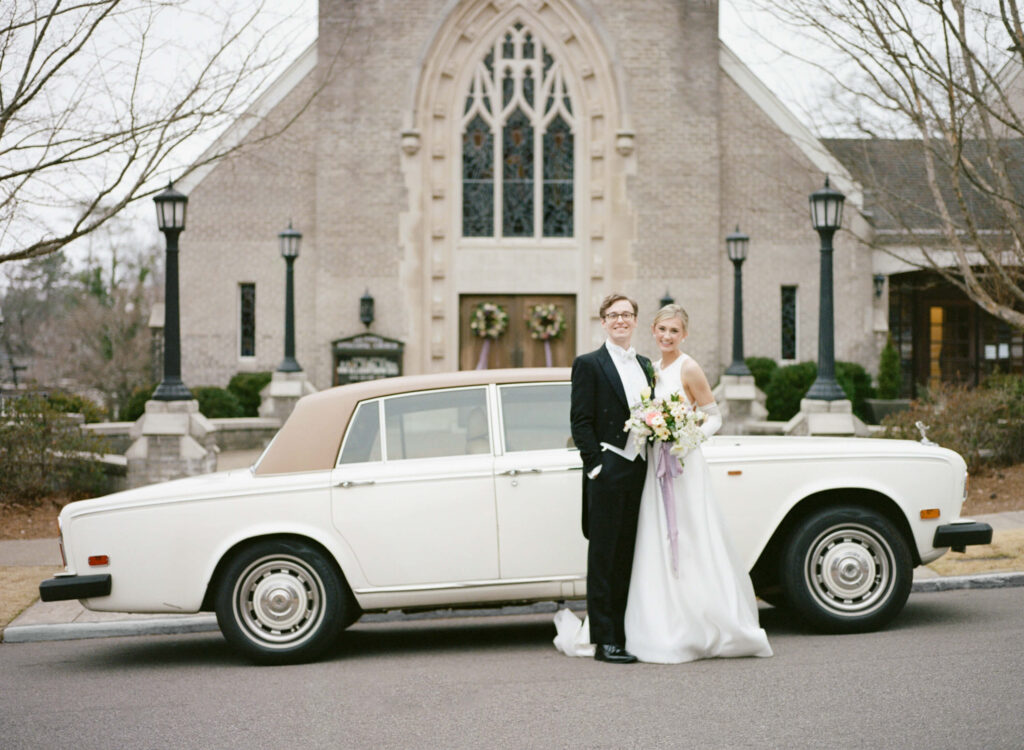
(726,447)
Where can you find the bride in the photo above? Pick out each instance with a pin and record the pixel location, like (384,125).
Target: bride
(703,606)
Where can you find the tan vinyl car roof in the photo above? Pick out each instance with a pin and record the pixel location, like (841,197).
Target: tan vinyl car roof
(311,438)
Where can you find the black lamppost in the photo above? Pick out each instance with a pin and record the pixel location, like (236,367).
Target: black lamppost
(666,300)
(290,241)
(826,218)
(170,217)
(736,246)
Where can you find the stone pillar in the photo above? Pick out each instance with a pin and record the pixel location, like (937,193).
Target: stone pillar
(741,402)
(280,394)
(171,440)
(818,417)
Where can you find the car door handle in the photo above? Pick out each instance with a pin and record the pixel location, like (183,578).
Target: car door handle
(358,483)
(517,472)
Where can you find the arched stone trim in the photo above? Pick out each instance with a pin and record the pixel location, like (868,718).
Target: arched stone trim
(438,265)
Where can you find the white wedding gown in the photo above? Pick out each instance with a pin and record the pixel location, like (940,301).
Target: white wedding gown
(709,609)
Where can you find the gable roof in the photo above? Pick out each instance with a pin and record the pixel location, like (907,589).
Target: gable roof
(897,196)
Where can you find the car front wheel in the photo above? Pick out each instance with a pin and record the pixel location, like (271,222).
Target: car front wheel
(281,602)
(846,570)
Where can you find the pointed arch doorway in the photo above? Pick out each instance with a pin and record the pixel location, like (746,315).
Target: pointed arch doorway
(516,347)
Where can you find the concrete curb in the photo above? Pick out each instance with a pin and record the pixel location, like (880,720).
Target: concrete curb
(77,630)
(979,581)
(205,623)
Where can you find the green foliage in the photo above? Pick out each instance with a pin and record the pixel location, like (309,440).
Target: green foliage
(247,386)
(789,384)
(890,380)
(216,402)
(985,425)
(43,453)
(135,406)
(785,389)
(762,368)
(856,384)
(72,403)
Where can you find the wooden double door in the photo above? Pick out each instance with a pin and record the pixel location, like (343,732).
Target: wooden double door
(515,347)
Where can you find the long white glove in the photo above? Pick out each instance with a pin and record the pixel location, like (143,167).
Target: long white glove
(713,420)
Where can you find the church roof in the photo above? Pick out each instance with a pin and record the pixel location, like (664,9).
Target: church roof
(897,196)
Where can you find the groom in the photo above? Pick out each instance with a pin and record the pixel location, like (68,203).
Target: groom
(605,384)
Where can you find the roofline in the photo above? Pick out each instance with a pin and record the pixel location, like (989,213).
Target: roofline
(789,124)
(236,132)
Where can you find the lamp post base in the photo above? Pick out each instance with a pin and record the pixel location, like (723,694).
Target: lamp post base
(172,439)
(741,402)
(172,389)
(825,389)
(818,417)
(279,396)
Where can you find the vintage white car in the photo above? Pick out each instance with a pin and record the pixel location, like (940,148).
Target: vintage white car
(463,489)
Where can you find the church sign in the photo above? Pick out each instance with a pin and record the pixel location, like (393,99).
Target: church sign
(366,356)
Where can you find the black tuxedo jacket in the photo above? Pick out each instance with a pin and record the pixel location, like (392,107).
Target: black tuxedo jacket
(598,409)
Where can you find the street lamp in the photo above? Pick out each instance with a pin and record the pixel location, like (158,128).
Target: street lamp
(736,246)
(826,218)
(290,241)
(170,218)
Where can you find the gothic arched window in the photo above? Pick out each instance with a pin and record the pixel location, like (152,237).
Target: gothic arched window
(517,143)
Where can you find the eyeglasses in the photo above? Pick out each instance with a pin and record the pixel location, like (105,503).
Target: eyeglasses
(626,316)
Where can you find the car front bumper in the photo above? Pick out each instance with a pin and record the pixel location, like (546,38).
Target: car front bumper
(957,536)
(62,588)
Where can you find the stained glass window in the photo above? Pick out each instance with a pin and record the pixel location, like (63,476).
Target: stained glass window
(247,320)
(518,121)
(517,176)
(477,179)
(789,322)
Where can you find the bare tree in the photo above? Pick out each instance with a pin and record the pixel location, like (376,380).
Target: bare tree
(943,73)
(100,101)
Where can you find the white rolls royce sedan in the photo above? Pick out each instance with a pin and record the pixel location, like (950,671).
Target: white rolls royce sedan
(464,489)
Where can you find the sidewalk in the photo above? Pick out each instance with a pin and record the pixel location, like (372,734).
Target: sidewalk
(69,620)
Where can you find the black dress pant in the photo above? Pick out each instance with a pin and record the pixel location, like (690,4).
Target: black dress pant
(614,506)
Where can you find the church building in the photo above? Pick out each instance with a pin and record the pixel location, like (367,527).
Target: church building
(448,154)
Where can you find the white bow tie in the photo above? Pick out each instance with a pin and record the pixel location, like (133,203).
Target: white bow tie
(627,355)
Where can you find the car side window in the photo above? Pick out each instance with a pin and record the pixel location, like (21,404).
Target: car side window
(362,441)
(440,423)
(536,417)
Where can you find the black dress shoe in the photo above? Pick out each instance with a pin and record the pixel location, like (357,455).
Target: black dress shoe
(613,654)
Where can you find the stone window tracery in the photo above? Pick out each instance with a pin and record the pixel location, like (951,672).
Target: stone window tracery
(518,143)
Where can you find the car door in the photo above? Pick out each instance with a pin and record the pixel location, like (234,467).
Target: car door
(538,485)
(417,506)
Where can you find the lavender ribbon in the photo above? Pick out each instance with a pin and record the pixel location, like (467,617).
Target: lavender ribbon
(668,469)
(481,364)
(547,353)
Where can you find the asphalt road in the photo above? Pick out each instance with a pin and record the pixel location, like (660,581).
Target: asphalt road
(946,675)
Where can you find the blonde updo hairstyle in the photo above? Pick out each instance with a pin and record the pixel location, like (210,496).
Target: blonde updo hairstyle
(673,311)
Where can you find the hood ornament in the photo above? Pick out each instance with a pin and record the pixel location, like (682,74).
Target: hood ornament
(922,428)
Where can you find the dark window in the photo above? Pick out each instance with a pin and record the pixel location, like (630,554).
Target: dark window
(517,175)
(788,322)
(247,320)
(362,442)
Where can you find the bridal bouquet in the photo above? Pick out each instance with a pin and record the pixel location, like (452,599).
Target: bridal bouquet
(669,420)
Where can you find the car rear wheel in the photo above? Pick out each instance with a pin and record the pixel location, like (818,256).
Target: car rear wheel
(846,570)
(281,602)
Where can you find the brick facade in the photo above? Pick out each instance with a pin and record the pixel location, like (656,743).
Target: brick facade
(672,153)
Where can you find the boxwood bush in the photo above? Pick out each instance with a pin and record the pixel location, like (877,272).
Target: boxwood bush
(762,368)
(216,402)
(789,384)
(247,386)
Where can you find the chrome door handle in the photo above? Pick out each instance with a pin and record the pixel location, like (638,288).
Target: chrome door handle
(517,472)
(358,483)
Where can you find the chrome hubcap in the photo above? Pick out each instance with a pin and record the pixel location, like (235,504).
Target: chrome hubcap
(849,569)
(279,601)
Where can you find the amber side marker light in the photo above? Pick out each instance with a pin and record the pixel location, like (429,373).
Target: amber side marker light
(930,513)
(97,560)
(735,472)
